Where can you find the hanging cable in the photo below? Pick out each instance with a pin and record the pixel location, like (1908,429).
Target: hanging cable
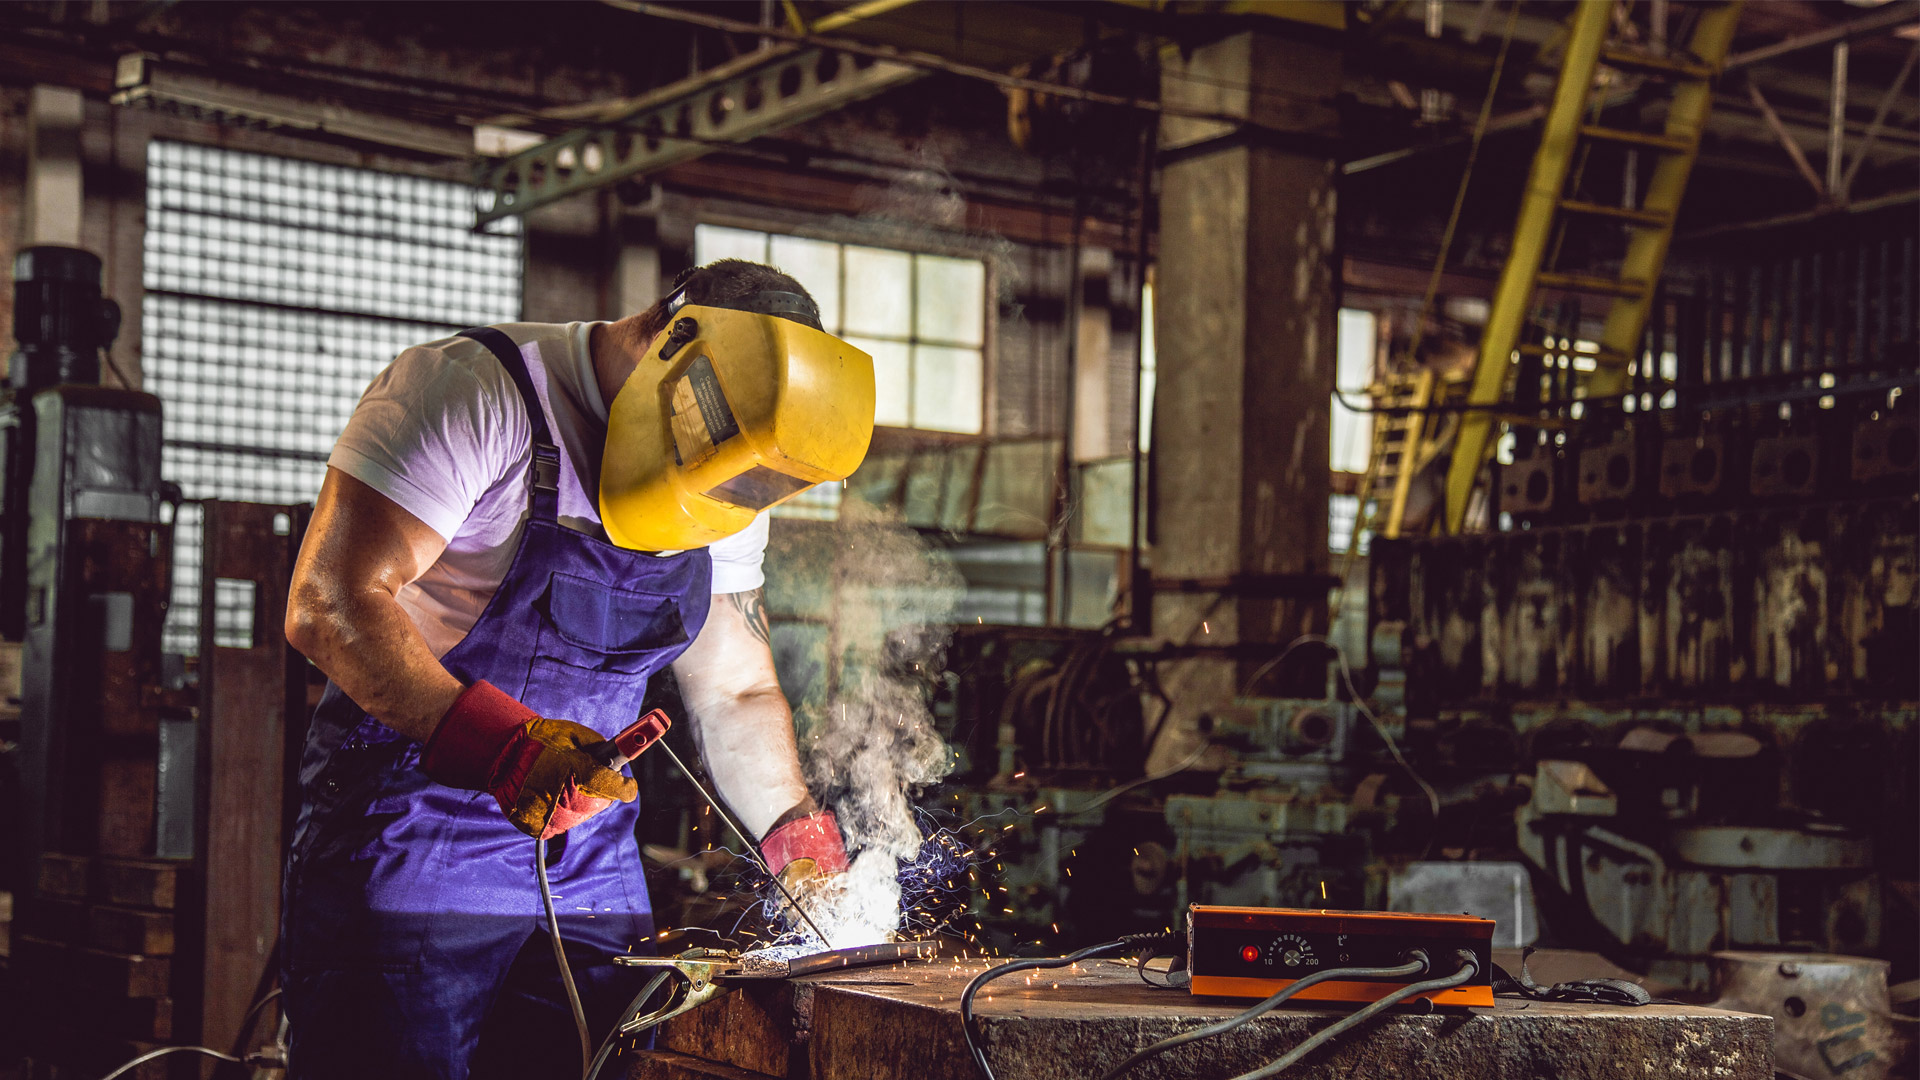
(1361,516)
(1416,965)
(1466,177)
(1346,676)
(239,1056)
(1469,967)
(1124,944)
(560,957)
(1108,796)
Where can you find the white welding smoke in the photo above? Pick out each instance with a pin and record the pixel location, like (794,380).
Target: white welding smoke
(867,739)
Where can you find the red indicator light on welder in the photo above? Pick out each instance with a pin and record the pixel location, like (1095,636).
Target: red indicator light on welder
(1250,954)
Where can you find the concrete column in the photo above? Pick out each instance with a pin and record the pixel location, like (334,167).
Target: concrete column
(1244,327)
(52,211)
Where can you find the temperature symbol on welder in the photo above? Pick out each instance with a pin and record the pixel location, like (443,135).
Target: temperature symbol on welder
(1291,950)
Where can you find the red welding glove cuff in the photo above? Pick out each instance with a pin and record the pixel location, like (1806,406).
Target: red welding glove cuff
(473,735)
(536,767)
(815,837)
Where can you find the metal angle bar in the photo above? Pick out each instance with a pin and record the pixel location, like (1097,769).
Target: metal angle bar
(1780,132)
(1880,118)
(777,93)
(1894,15)
(854,14)
(1837,120)
(618,109)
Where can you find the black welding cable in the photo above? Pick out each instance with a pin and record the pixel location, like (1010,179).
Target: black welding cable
(1130,942)
(1469,967)
(634,1008)
(1415,965)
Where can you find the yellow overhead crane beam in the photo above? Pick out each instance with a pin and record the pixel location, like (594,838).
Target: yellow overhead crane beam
(1545,200)
(1330,14)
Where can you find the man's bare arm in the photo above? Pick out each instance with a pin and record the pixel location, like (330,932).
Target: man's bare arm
(360,550)
(741,720)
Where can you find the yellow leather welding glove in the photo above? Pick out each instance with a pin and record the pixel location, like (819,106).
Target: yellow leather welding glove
(536,767)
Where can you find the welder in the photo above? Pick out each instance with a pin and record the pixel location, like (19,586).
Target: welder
(519,527)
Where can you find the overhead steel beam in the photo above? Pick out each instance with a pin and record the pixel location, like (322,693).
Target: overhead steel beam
(140,79)
(1899,13)
(1837,121)
(1880,118)
(911,58)
(785,86)
(1786,139)
(848,16)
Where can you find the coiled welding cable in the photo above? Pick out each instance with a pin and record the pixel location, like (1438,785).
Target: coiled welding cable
(1416,965)
(1129,943)
(1469,967)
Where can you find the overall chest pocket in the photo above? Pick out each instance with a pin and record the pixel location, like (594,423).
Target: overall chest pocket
(589,625)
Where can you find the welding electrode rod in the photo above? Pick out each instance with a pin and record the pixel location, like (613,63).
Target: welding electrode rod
(752,849)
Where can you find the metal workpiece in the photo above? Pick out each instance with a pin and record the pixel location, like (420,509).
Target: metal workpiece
(705,974)
(751,96)
(1832,1015)
(903,1021)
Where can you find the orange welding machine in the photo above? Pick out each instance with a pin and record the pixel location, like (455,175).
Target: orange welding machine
(1245,952)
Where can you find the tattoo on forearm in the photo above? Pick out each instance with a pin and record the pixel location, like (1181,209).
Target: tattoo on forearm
(753,608)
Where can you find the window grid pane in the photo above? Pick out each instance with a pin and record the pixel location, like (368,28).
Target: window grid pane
(922,318)
(275,290)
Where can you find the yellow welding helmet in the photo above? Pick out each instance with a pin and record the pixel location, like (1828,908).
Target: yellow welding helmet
(734,408)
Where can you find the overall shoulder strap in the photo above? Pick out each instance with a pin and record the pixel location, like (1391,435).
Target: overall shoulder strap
(546,455)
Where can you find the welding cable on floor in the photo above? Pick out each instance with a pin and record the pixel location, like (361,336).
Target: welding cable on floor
(1469,967)
(1415,965)
(634,1009)
(152,1055)
(560,957)
(239,1056)
(1129,943)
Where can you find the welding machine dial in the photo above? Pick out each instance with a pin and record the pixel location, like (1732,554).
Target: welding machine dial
(1290,950)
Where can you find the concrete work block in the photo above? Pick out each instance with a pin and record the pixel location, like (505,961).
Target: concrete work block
(904,1021)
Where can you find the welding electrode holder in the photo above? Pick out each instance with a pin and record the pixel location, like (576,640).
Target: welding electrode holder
(616,752)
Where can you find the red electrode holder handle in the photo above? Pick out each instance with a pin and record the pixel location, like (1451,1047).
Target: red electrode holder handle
(631,743)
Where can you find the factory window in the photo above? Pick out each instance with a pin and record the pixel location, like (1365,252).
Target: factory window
(275,290)
(1352,375)
(922,317)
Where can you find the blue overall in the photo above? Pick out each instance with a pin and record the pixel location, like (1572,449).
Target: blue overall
(408,903)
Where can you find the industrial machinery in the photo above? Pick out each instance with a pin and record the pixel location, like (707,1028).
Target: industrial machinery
(61,323)
(146,872)
(1646,689)
(1698,620)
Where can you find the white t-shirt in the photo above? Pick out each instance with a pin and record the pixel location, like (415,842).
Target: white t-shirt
(444,434)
